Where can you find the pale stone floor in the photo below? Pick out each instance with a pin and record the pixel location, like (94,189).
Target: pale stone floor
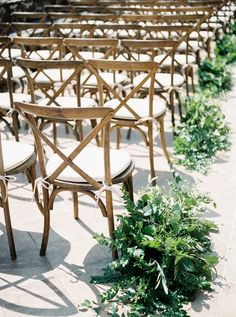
(54,285)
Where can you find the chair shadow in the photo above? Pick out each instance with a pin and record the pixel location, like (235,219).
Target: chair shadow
(17,276)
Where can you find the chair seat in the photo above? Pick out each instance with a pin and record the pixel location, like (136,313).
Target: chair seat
(70,101)
(193,44)
(163,78)
(108,77)
(15,154)
(43,54)
(140,106)
(91,161)
(17,97)
(179,58)
(15,52)
(56,75)
(204,34)
(86,55)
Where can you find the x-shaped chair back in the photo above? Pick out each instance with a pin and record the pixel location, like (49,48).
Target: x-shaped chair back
(76,45)
(68,78)
(166,47)
(40,48)
(69,30)
(103,116)
(149,68)
(119,31)
(31,29)
(28,16)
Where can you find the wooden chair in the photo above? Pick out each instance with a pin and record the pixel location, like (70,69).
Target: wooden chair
(99,48)
(131,109)
(7,97)
(58,85)
(28,16)
(39,48)
(31,29)
(10,164)
(74,169)
(168,81)
(75,30)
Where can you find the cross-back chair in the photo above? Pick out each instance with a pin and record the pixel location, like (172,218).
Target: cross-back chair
(131,108)
(81,168)
(39,48)
(28,16)
(168,82)
(56,84)
(15,158)
(31,29)
(99,48)
(73,30)
(7,97)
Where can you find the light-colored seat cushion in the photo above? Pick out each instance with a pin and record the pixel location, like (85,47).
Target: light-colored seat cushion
(15,52)
(17,97)
(44,54)
(70,101)
(86,55)
(108,77)
(15,154)
(57,75)
(140,106)
(204,34)
(192,44)
(163,78)
(91,161)
(179,58)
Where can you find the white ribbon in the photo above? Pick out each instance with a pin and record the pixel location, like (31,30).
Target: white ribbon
(39,183)
(156,123)
(11,111)
(5,179)
(150,180)
(112,188)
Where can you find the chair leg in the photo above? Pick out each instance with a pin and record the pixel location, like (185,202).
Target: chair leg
(93,125)
(172,108)
(128,134)
(54,133)
(151,152)
(163,139)
(11,243)
(45,232)
(76,205)
(117,138)
(110,216)
(128,184)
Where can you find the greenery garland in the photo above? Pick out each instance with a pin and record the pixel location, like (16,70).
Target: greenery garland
(201,134)
(165,255)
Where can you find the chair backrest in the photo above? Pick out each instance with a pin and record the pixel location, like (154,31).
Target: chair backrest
(44,48)
(118,31)
(29,16)
(153,48)
(103,115)
(31,29)
(77,30)
(52,79)
(149,70)
(108,46)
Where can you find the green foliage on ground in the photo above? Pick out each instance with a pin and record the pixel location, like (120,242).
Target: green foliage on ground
(226,48)
(214,77)
(165,254)
(201,134)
